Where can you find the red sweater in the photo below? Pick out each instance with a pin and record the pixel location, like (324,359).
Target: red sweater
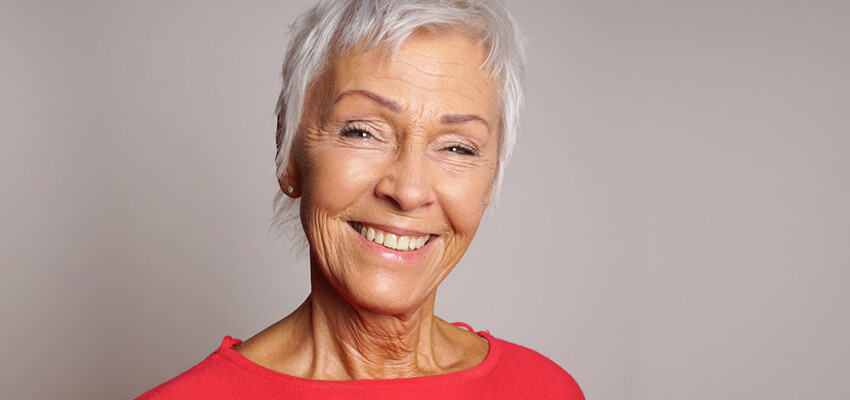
(510,371)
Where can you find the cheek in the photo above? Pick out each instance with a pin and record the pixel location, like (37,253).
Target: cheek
(465,201)
(337,177)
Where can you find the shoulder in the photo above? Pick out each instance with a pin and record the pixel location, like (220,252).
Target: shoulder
(209,379)
(522,364)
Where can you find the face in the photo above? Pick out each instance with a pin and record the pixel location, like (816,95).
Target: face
(395,162)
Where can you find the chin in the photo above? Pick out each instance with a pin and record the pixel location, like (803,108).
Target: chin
(389,297)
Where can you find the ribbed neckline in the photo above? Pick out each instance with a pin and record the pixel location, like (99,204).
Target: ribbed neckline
(227,351)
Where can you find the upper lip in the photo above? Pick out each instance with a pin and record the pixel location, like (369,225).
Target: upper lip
(393,229)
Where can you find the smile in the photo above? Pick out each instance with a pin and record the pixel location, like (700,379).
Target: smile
(390,240)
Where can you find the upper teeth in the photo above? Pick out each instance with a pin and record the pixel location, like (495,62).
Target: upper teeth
(391,240)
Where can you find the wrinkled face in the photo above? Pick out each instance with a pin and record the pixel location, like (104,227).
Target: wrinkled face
(395,162)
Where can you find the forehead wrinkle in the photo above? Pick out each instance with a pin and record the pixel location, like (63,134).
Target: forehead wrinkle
(435,74)
(420,69)
(434,59)
(356,83)
(381,68)
(474,100)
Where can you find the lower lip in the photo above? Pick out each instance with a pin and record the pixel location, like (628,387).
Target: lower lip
(395,256)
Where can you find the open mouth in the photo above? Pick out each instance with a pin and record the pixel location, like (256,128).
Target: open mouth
(391,240)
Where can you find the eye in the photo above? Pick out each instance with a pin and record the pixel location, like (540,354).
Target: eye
(355,131)
(462,149)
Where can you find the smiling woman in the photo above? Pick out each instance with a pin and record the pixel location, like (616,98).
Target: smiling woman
(381,156)
(391,140)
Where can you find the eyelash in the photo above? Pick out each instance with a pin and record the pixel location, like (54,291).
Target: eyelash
(462,149)
(355,131)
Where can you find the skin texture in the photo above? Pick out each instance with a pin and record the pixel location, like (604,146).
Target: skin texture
(409,145)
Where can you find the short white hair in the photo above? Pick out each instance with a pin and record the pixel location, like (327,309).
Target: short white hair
(335,26)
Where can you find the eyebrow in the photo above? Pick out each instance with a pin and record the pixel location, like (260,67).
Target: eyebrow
(453,119)
(448,119)
(381,100)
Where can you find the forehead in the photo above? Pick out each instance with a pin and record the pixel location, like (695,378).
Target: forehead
(430,70)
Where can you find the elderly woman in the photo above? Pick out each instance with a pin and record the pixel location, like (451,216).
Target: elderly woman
(395,122)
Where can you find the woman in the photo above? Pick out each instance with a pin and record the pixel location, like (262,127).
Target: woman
(396,120)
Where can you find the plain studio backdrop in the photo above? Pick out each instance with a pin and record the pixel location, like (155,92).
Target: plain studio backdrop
(674,223)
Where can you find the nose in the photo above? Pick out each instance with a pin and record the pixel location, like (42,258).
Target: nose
(406,182)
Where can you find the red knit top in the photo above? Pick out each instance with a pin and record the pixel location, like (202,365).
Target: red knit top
(509,371)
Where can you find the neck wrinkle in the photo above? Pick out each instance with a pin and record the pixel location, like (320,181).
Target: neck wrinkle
(352,343)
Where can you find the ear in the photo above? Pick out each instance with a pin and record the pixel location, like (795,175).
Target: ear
(290,179)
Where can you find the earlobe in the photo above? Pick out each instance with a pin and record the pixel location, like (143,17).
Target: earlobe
(288,185)
(289,181)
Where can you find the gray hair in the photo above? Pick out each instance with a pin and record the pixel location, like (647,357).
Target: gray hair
(335,26)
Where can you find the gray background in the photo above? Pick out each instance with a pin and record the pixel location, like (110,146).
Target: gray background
(674,224)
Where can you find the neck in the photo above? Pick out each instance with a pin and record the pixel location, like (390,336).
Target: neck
(330,338)
(350,342)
